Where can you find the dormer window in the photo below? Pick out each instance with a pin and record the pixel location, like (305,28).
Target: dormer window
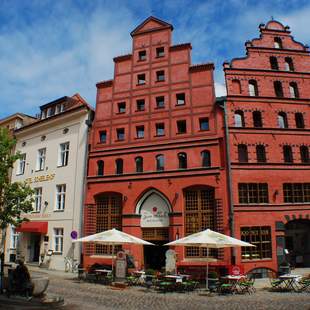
(59,108)
(142,55)
(160,52)
(141,79)
(277,42)
(50,111)
(43,114)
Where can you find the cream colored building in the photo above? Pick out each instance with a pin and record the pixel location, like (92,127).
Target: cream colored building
(54,154)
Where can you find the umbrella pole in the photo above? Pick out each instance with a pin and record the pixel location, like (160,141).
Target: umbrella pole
(207,271)
(113,261)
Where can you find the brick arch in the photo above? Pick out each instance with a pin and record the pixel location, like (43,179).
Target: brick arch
(293,217)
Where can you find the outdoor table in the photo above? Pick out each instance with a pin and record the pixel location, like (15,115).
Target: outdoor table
(234,281)
(102,274)
(290,281)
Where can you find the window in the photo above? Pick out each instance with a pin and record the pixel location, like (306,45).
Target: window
(274,63)
(59,108)
(140,132)
(119,166)
(294,90)
(63,155)
(200,214)
(287,154)
(299,120)
(37,199)
(60,197)
(253,89)
(160,102)
(236,86)
(260,153)
(257,119)
(50,111)
(206,159)
(242,153)
(21,164)
(253,193)
(14,238)
(108,216)
(160,75)
(239,119)
(103,136)
(182,157)
(140,105)
(141,79)
(282,120)
(58,240)
(304,154)
(41,159)
(121,107)
(278,89)
(100,167)
(260,236)
(142,55)
(160,129)
(181,127)
(180,98)
(277,42)
(289,66)
(120,133)
(204,124)
(160,52)
(160,162)
(139,164)
(43,114)
(296,192)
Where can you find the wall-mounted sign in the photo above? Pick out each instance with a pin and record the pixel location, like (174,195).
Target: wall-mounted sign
(74,234)
(42,178)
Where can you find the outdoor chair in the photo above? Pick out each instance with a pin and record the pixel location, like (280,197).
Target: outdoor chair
(225,288)
(131,280)
(304,285)
(247,286)
(91,277)
(276,283)
(190,285)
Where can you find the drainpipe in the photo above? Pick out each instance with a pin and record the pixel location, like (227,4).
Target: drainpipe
(222,104)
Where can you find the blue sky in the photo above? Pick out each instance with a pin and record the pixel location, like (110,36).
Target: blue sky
(49,49)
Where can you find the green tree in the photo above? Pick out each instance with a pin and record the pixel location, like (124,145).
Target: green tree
(16,198)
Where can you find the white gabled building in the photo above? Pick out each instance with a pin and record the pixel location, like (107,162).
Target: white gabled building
(54,161)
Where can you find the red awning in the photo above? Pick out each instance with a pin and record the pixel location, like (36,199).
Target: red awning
(35,227)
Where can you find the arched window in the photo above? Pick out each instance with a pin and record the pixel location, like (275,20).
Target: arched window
(182,157)
(119,166)
(277,42)
(289,66)
(236,86)
(304,154)
(160,162)
(294,90)
(278,89)
(253,89)
(100,167)
(257,119)
(139,164)
(282,120)
(243,153)
(299,120)
(260,153)
(206,159)
(287,154)
(274,63)
(239,119)
(108,216)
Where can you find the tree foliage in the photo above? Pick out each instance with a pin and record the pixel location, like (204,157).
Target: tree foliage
(15,198)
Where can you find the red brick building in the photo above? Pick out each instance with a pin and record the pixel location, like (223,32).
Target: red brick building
(268,119)
(156,158)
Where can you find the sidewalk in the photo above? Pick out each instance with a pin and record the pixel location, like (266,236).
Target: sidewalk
(57,273)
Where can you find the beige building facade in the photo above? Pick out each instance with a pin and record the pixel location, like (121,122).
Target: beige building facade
(53,163)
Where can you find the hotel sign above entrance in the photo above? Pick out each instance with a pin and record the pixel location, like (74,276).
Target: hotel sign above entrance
(41,178)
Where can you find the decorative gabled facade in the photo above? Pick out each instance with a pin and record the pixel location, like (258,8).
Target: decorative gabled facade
(53,162)
(156,160)
(268,118)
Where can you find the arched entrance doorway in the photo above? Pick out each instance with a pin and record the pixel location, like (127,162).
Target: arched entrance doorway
(297,241)
(154,209)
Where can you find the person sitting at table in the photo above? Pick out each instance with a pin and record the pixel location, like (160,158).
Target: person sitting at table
(22,280)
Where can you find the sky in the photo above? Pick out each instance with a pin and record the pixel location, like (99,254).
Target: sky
(53,48)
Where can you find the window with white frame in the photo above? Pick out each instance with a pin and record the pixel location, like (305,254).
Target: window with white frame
(14,238)
(41,159)
(37,199)
(21,164)
(60,197)
(63,155)
(58,240)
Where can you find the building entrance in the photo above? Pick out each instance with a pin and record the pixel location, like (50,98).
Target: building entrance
(155,256)
(297,242)
(34,247)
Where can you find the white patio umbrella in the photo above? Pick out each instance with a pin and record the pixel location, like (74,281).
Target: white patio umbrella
(209,239)
(113,237)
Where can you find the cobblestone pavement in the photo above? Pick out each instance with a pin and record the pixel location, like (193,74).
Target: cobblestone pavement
(81,295)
